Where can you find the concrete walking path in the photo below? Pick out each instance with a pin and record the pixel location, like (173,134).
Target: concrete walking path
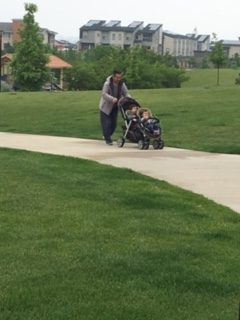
(216,176)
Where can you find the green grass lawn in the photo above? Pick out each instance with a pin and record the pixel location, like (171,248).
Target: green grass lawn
(207,78)
(199,118)
(86,241)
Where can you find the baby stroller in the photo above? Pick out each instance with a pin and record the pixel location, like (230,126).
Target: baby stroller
(135,130)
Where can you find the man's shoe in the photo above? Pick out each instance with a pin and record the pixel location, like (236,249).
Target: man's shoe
(109,142)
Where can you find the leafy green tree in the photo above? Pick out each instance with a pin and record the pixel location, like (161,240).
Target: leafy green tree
(105,59)
(81,77)
(133,69)
(71,56)
(30,58)
(142,68)
(169,60)
(217,56)
(146,69)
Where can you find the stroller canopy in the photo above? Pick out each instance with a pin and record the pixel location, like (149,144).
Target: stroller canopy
(124,103)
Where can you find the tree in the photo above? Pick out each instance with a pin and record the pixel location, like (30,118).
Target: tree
(217,55)
(142,68)
(81,77)
(30,58)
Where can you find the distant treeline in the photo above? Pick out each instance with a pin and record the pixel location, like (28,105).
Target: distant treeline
(142,68)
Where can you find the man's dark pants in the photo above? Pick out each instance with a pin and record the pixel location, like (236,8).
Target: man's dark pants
(109,123)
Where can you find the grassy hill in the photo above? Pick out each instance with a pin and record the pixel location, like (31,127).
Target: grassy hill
(207,78)
(200,118)
(85,241)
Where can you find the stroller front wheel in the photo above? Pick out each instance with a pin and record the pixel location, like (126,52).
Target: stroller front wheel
(120,142)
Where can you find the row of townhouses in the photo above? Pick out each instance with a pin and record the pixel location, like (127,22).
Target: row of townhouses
(151,36)
(10,34)
(101,32)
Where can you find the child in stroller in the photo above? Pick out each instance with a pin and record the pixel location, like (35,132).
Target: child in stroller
(140,126)
(149,122)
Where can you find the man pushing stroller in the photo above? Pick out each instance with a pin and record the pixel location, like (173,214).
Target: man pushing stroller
(113,89)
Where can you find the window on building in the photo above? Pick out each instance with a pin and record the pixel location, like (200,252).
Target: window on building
(113,36)
(147,37)
(104,36)
(119,36)
(128,36)
(85,35)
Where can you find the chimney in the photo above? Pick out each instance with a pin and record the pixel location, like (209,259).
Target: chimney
(17,25)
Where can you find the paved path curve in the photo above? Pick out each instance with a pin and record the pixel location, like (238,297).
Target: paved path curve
(216,176)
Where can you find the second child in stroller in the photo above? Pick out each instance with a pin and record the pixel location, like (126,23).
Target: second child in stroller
(149,122)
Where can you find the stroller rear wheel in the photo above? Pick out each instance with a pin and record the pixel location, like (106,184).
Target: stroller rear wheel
(143,144)
(158,144)
(140,144)
(120,142)
(146,145)
(161,144)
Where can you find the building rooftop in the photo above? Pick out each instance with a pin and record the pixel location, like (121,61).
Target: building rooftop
(6,27)
(93,24)
(6,58)
(235,43)
(135,24)
(112,25)
(175,35)
(57,63)
(48,31)
(54,61)
(152,27)
(198,37)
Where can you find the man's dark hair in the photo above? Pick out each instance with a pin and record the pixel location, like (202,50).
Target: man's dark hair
(116,72)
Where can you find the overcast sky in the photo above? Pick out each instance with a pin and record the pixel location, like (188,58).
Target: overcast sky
(180,16)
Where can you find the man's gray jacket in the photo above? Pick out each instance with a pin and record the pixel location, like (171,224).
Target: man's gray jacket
(108,94)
